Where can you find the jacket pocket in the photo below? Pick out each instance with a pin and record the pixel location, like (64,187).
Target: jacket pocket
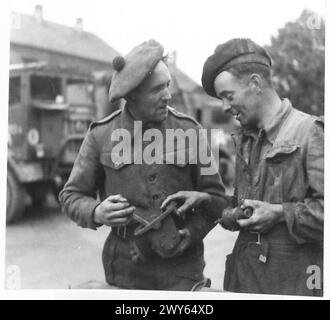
(284,170)
(281,151)
(108,257)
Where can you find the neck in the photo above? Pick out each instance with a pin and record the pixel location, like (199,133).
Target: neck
(270,105)
(133,111)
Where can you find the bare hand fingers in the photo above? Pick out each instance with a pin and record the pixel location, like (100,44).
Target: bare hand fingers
(124,213)
(170,198)
(246,223)
(249,203)
(116,198)
(113,206)
(185,207)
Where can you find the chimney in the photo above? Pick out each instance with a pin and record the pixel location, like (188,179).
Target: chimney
(38,13)
(79,25)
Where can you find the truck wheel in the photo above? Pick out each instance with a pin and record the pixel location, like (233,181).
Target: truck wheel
(15,198)
(38,194)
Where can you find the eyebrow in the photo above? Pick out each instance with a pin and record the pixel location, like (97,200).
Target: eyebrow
(158,86)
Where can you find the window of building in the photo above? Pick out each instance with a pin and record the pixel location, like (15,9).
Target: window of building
(14,90)
(45,87)
(79,91)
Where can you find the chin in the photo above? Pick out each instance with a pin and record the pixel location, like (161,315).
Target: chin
(161,119)
(162,116)
(249,125)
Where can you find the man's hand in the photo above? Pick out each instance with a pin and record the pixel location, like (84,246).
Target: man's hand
(190,199)
(181,247)
(229,219)
(114,211)
(265,216)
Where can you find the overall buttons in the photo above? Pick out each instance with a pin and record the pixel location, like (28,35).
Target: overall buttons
(255,180)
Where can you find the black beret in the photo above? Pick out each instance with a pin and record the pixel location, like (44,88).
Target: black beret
(129,71)
(231,53)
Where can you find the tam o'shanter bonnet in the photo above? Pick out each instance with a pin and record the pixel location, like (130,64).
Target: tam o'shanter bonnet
(132,69)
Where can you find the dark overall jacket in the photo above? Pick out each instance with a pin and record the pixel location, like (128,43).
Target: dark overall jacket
(287,170)
(145,186)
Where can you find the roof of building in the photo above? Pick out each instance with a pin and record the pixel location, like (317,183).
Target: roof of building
(183,83)
(55,37)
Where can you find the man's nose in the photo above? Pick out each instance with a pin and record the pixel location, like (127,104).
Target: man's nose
(167,94)
(226,105)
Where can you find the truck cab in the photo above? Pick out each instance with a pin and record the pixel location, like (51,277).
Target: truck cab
(50,110)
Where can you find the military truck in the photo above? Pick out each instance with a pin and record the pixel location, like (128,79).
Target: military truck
(50,110)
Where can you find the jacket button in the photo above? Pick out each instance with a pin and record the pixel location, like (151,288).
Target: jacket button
(152,178)
(155,197)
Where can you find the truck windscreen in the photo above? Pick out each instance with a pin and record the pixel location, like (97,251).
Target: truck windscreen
(45,87)
(79,92)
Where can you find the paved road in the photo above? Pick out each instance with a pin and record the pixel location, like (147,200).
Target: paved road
(52,252)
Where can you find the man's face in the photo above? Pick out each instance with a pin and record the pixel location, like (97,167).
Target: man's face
(238,97)
(152,97)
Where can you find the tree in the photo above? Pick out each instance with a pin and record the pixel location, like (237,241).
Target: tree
(298,62)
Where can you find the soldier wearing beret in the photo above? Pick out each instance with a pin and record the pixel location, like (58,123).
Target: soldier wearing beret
(147,248)
(279,178)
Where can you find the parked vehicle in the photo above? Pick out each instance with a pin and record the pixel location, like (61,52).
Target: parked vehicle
(50,110)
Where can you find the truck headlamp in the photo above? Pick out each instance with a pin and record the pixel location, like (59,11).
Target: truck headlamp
(33,136)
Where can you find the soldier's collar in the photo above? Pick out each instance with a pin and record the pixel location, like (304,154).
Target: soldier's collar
(273,126)
(246,132)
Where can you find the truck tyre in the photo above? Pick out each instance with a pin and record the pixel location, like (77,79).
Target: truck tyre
(38,193)
(15,198)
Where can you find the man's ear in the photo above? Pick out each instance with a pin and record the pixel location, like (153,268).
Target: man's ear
(255,82)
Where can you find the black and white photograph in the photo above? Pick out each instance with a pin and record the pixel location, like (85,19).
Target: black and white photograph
(168,147)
